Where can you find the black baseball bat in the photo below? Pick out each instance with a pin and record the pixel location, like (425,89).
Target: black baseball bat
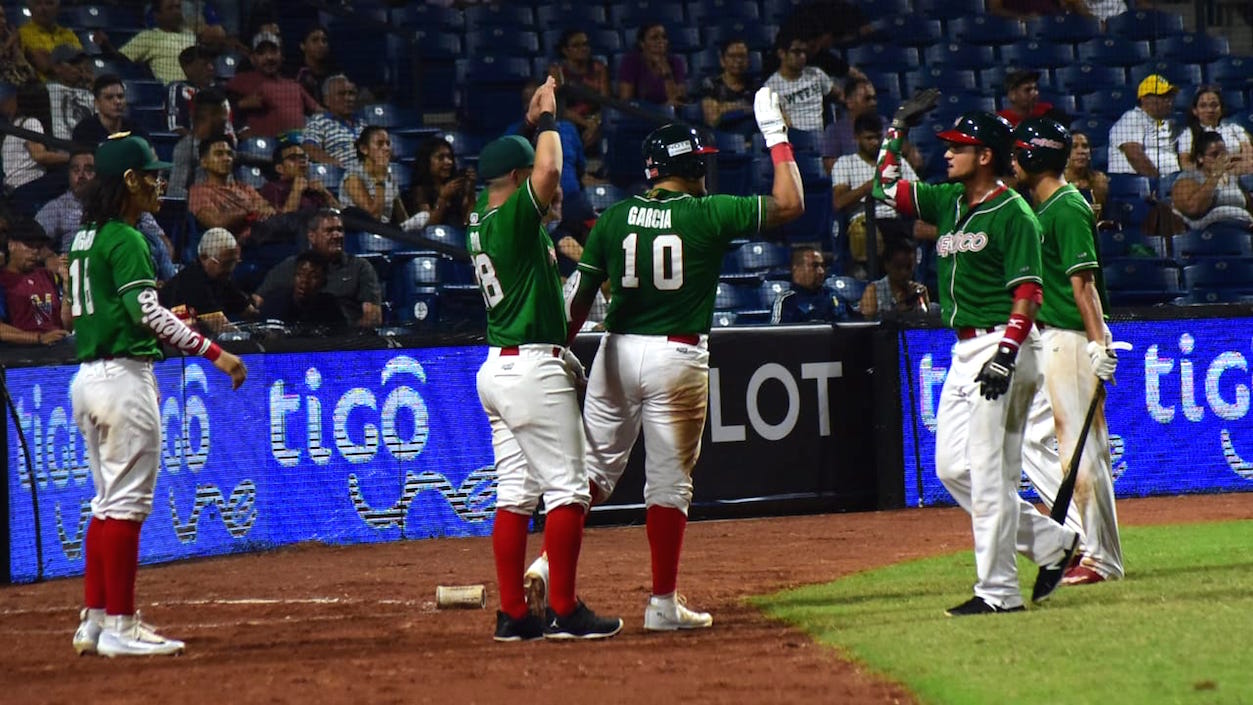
(1061,504)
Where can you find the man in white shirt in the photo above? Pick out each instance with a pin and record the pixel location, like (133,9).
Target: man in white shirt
(69,88)
(801,88)
(1143,140)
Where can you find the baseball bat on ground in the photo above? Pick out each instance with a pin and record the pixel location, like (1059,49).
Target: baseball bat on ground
(1061,503)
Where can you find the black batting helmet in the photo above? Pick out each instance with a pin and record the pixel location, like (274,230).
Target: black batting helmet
(675,150)
(1042,144)
(984,130)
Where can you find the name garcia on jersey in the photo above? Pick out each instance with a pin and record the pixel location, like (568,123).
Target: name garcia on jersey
(642,217)
(953,243)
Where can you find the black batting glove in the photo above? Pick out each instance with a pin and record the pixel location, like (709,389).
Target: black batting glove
(994,377)
(915,108)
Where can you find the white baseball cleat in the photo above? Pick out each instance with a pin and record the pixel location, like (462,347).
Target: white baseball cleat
(535,586)
(130,636)
(88,633)
(666,614)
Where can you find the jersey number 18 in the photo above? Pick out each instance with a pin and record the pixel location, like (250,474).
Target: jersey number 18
(666,249)
(485,275)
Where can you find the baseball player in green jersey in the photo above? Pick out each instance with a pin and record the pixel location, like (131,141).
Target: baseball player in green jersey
(1078,353)
(990,290)
(111,305)
(662,254)
(527,383)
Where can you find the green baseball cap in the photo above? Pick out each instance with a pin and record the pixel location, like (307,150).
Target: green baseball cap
(503,155)
(124,151)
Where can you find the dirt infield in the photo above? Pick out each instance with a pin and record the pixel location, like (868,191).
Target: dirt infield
(357,624)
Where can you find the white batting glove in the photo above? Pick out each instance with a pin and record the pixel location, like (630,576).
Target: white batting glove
(575,367)
(769,116)
(1105,358)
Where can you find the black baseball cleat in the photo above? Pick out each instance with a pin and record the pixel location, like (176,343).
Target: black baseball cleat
(976,605)
(527,628)
(1050,576)
(582,623)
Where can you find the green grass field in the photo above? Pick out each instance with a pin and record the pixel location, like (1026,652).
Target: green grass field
(1179,629)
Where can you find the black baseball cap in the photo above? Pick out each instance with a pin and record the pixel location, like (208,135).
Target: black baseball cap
(28,231)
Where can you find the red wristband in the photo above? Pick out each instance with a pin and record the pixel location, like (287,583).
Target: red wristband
(782,153)
(1016,330)
(213,352)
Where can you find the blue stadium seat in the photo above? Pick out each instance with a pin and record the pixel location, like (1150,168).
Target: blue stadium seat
(762,257)
(360,243)
(601,196)
(126,70)
(1063,102)
(1219,273)
(987,29)
(1244,120)
(226,64)
(420,15)
(1215,241)
(499,15)
(1081,79)
(1150,25)
(502,41)
(953,105)
(770,289)
(1232,71)
(758,37)
(814,225)
(776,10)
(805,141)
(1201,297)
(733,296)
(908,30)
(1129,186)
(949,9)
(416,305)
(1118,243)
(883,57)
(1234,102)
(1070,28)
(1193,48)
(941,77)
(1110,105)
(847,290)
(419,270)
(329,174)
(151,118)
(723,319)
(705,12)
(1137,281)
(1179,74)
(959,56)
(1037,55)
(382,114)
(572,15)
(446,235)
(455,272)
(97,17)
(636,13)
(882,8)
(254,176)
(437,45)
(260,147)
(1113,51)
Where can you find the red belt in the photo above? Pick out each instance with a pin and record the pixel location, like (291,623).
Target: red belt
(685,339)
(967,332)
(513,350)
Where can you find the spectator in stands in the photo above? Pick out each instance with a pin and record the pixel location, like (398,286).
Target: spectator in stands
(160,46)
(351,280)
(63,215)
(268,103)
(307,304)
(578,67)
(1022,99)
(1207,115)
(317,63)
(42,34)
(14,68)
(110,115)
(1093,184)
(1102,9)
(69,89)
(840,137)
(809,300)
(32,298)
(370,185)
(293,191)
(438,189)
(220,201)
(650,73)
(331,135)
(896,291)
(1143,140)
(726,100)
(842,22)
(852,177)
(574,159)
(801,88)
(204,292)
(33,173)
(209,116)
(1211,192)
(197,63)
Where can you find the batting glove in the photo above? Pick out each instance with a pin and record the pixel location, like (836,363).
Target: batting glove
(769,116)
(913,110)
(994,377)
(1105,357)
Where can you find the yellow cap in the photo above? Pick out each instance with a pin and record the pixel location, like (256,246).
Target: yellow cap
(1155,85)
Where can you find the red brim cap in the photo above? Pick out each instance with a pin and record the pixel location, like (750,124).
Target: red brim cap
(706,150)
(958,137)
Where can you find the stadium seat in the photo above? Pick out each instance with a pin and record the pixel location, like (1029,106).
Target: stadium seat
(601,196)
(706,12)
(1219,273)
(770,289)
(419,270)
(445,235)
(848,290)
(1113,51)
(1232,71)
(1037,55)
(1070,28)
(259,147)
(1179,74)
(762,257)
(1145,25)
(939,77)
(97,17)
(954,105)
(1081,79)
(949,9)
(329,174)
(502,41)
(1234,102)
(1199,297)
(509,15)
(987,29)
(1218,240)
(883,57)
(723,319)
(417,306)
(758,37)
(571,15)
(1118,243)
(636,13)
(882,8)
(814,225)
(776,11)
(126,70)
(361,243)
(418,15)
(1132,282)
(1129,186)
(908,30)
(729,297)
(1196,48)
(1110,105)
(959,56)
(225,65)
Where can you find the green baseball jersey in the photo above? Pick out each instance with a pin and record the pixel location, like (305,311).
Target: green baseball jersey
(104,264)
(662,253)
(984,252)
(515,265)
(1069,246)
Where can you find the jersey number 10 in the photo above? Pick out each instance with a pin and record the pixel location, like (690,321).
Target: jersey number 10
(666,249)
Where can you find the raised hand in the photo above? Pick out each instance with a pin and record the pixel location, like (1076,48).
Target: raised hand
(769,116)
(911,112)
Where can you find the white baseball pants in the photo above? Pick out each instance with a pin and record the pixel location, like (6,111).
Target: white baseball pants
(1053,426)
(116,407)
(537,434)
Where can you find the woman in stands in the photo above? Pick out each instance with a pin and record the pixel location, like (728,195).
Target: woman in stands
(1207,116)
(1211,191)
(578,66)
(650,73)
(370,185)
(1093,184)
(447,197)
(33,173)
